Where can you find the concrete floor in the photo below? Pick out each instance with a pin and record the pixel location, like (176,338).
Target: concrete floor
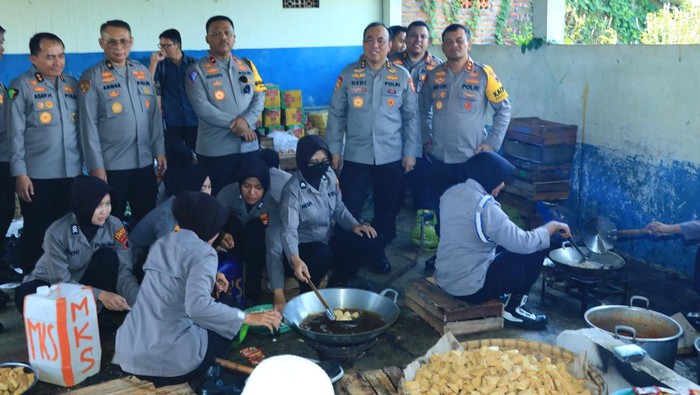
(410,336)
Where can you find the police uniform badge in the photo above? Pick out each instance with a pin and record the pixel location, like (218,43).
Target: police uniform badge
(74,229)
(264,218)
(192,75)
(84,86)
(122,238)
(12,93)
(302,185)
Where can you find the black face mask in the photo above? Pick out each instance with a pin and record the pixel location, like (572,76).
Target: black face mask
(317,170)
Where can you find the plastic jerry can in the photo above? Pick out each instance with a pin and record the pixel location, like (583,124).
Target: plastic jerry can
(63,338)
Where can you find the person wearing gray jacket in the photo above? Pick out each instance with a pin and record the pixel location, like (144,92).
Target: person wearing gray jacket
(228,96)
(482,254)
(120,124)
(690,230)
(176,328)
(259,243)
(42,129)
(373,133)
(317,228)
(87,246)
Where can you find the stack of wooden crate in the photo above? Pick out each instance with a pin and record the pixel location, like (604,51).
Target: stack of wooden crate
(543,153)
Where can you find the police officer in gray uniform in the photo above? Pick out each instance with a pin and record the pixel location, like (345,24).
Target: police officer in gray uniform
(86,246)
(228,96)
(121,125)
(374,111)
(42,128)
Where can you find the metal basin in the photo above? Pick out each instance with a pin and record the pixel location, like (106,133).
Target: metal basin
(27,369)
(597,265)
(307,304)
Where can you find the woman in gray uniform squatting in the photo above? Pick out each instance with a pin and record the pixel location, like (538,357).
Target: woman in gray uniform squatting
(176,328)
(87,246)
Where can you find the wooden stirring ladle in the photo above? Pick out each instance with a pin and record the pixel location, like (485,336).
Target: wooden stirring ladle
(329,312)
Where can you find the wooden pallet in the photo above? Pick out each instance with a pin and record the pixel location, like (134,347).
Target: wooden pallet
(371,382)
(447,314)
(131,385)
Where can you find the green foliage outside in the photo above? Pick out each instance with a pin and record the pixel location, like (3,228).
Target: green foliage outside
(673,25)
(607,21)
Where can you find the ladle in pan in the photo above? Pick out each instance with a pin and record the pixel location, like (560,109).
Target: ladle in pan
(600,234)
(329,312)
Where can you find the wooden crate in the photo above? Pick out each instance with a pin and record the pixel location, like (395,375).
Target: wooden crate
(544,154)
(371,382)
(540,132)
(547,190)
(447,314)
(537,172)
(131,385)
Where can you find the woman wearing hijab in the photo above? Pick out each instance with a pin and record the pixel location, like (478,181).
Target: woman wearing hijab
(310,208)
(258,244)
(482,254)
(87,246)
(161,221)
(176,328)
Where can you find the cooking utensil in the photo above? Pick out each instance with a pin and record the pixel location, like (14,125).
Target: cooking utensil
(600,234)
(234,366)
(300,307)
(597,265)
(329,312)
(583,256)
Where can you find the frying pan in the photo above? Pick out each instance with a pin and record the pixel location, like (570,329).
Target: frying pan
(600,234)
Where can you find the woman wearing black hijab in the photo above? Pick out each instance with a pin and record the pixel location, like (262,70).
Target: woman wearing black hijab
(482,254)
(176,328)
(317,228)
(258,244)
(87,246)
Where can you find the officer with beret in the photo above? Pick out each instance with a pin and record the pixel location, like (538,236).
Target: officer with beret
(228,96)
(373,133)
(42,128)
(121,126)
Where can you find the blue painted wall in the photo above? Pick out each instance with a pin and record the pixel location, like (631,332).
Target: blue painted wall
(313,70)
(631,192)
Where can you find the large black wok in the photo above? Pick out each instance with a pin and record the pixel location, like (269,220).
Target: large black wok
(597,265)
(306,304)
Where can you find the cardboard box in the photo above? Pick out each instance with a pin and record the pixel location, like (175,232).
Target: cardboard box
(292,116)
(272,96)
(291,99)
(272,117)
(296,130)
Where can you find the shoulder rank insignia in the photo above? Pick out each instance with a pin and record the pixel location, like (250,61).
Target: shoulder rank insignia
(74,229)
(12,93)
(39,77)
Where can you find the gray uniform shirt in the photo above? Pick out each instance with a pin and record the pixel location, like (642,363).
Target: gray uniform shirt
(453,111)
(220,92)
(278,178)
(67,252)
(462,258)
(690,230)
(267,210)
(120,121)
(165,333)
(157,223)
(374,114)
(418,70)
(308,214)
(4,144)
(42,126)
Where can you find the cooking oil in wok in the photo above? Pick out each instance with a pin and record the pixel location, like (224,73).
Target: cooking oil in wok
(366,321)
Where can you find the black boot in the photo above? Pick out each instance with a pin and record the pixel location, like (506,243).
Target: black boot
(430,263)
(516,315)
(380,264)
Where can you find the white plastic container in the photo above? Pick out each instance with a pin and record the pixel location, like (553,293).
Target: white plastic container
(63,339)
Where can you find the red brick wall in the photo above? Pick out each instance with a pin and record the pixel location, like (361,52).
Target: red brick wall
(519,10)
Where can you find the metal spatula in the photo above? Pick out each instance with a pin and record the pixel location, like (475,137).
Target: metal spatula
(329,312)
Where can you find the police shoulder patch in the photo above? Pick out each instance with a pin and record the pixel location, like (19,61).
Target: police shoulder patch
(495,92)
(74,229)
(12,93)
(84,86)
(338,82)
(122,238)
(192,75)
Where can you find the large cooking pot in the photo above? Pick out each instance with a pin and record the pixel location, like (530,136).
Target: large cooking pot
(597,265)
(656,333)
(306,304)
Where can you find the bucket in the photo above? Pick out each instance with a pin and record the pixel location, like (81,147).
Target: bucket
(63,338)
(232,268)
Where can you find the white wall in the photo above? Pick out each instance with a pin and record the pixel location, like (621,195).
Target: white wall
(259,23)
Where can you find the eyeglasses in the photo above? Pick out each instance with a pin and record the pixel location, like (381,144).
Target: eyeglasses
(221,33)
(124,43)
(318,162)
(166,46)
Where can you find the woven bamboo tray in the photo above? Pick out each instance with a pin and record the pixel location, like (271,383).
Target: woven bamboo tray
(539,350)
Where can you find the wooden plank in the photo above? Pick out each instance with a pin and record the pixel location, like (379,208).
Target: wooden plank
(446,308)
(395,374)
(474,326)
(132,386)
(354,383)
(380,382)
(426,316)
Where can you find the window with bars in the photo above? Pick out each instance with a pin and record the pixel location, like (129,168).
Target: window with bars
(300,3)
(483,4)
